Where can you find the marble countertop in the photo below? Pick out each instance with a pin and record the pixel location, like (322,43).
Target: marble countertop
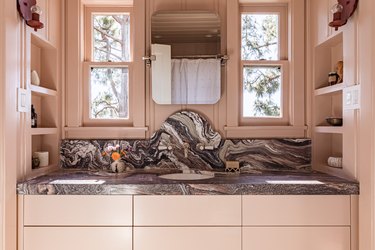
(143,182)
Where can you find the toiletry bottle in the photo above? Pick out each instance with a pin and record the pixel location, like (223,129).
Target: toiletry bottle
(34,117)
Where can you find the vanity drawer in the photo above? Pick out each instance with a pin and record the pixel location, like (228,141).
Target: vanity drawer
(77,210)
(187,210)
(296,238)
(295,210)
(187,238)
(77,238)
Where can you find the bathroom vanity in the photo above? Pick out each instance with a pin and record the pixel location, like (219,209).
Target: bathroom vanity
(90,210)
(273,201)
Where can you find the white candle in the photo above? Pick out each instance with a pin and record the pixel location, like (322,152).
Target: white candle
(43,158)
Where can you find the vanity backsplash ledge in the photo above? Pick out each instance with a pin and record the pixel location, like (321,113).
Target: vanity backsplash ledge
(187,141)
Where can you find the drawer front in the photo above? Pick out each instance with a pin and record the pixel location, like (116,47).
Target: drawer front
(332,210)
(187,238)
(187,210)
(77,210)
(77,238)
(296,238)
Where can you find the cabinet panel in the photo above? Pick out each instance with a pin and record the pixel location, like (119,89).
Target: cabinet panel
(80,210)
(319,20)
(78,238)
(296,210)
(296,238)
(187,210)
(184,238)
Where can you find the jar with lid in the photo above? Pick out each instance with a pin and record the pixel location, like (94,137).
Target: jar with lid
(332,78)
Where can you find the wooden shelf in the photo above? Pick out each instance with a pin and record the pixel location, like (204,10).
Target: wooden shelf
(42,91)
(43,131)
(53,165)
(43,170)
(40,42)
(329,129)
(329,89)
(332,40)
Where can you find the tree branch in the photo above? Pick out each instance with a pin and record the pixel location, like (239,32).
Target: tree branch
(105,51)
(105,108)
(108,35)
(265,45)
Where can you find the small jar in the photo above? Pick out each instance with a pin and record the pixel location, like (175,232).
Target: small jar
(332,78)
(35,162)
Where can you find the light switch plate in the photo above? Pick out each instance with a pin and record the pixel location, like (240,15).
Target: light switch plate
(352,97)
(22,102)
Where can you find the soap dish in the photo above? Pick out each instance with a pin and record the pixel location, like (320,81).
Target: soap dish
(334,121)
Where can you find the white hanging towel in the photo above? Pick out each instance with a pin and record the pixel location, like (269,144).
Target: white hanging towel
(196,81)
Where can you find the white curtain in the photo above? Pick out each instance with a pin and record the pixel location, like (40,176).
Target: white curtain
(196,81)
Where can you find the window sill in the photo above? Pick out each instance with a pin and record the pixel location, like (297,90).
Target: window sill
(105,132)
(266,131)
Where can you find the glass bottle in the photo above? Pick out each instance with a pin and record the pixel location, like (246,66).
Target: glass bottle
(34,117)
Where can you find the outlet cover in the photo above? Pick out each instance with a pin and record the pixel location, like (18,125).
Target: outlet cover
(352,97)
(22,102)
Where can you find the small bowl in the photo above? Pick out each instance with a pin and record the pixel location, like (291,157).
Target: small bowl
(334,121)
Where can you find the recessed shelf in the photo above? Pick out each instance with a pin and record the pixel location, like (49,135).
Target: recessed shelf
(329,89)
(40,42)
(332,40)
(329,129)
(53,165)
(43,131)
(43,170)
(43,91)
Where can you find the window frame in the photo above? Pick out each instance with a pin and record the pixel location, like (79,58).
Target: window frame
(283,63)
(88,63)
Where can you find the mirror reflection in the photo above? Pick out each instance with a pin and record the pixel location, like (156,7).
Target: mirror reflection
(187,65)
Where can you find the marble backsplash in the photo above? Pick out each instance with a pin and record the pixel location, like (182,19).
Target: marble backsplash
(187,141)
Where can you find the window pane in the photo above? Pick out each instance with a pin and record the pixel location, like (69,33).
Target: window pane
(259,37)
(262,91)
(109,93)
(111,35)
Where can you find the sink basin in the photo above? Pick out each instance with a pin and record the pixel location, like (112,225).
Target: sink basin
(77,182)
(186,176)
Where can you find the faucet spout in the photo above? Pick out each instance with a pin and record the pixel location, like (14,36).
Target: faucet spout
(186,149)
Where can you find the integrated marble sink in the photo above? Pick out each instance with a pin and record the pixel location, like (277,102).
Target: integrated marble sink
(77,182)
(186,176)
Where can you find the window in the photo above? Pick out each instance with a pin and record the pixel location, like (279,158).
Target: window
(264,65)
(107,66)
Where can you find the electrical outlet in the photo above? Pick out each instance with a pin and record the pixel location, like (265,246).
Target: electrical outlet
(352,97)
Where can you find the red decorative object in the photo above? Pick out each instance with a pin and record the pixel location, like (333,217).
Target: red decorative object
(31,12)
(342,11)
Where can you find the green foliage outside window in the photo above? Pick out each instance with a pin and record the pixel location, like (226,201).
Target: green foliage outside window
(109,88)
(261,84)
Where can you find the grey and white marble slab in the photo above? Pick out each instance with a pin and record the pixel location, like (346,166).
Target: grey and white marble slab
(268,166)
(184,132)
(140,182)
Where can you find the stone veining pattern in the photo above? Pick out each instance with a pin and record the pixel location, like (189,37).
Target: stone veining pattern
(141,182)
(178,145)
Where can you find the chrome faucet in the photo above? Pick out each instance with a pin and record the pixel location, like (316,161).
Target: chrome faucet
(186,149)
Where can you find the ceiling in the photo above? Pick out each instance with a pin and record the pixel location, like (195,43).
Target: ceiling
(185,27)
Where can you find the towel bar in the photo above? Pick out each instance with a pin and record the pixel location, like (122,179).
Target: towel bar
(224,58)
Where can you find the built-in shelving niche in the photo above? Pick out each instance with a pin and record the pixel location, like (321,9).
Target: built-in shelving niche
(327,102)
(44,60)
(329,145)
